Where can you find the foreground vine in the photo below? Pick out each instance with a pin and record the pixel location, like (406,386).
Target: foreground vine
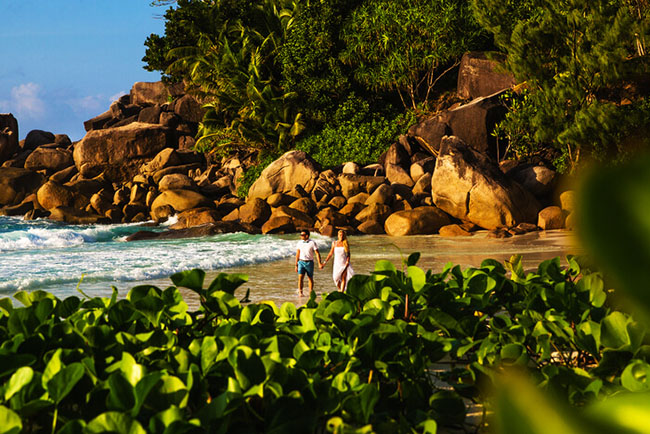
(359,361)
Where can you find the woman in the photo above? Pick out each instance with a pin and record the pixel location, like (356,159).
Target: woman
(342,270)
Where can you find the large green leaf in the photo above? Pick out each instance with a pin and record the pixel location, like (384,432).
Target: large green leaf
(617,230)
(523,408)
(636,376)
(227,282)
(144,387)
(417,276)
(10,422)
(114,422)
(64,381)
(623,413)
(121,394)
(18,380)
(209,352)
(191,279)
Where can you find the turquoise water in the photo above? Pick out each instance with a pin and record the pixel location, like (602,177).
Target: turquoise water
(53,257)
(50,256)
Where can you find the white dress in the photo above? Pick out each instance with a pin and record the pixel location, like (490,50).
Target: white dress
(340,258)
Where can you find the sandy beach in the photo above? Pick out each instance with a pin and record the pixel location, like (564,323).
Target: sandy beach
(276,281)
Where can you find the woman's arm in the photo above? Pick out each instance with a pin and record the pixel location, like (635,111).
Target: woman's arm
(329,255)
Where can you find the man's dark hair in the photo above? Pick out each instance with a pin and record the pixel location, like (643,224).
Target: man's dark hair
(305,231)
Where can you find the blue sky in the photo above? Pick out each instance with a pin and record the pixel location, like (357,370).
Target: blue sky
(64,61)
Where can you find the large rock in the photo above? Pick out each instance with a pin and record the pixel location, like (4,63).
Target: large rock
(17,183)
(36,138)
(299,218)
(75,216)
(397,174)
(50,159)
(196,217)
(417,221)
(351,185)
(189,109)
(482,74)
(539,180)
(430,132)
(279,225)
(99,121)
(469,186)
(180,200)
(149,93)
(375,211)
(255,212)
(472,122)
(119,152)
(52,195)
(551,217)
(205,230)
(8,136)
(176,181)
(281,176)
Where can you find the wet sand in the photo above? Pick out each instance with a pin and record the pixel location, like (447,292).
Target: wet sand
(276,281)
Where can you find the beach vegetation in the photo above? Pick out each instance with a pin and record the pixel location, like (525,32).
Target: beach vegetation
(575,57)
(273,72)
(361,361)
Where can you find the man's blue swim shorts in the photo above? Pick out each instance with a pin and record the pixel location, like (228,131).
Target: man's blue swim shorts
(306,267)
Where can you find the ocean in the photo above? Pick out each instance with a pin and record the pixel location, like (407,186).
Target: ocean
(58,258)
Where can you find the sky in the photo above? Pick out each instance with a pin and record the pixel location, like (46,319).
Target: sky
(63,62)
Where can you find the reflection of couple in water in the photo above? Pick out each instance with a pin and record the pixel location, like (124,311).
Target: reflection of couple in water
(342,270)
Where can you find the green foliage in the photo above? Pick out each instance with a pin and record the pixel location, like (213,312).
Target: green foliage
(271,70)
(235,72)
(403,45)
(183,26)
(623,249)
(574,55)
(358,361)
(310,60)
(355,134)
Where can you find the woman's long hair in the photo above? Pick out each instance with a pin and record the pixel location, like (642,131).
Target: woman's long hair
(346,245)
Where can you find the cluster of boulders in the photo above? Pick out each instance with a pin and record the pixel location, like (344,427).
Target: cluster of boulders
(136,163)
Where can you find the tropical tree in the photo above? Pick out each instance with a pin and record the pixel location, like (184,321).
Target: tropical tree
(575,56)
(235,73)
(408,45)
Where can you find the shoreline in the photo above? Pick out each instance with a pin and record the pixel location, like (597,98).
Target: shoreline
(277,281)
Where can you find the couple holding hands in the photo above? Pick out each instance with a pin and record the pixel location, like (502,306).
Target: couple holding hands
(341,271)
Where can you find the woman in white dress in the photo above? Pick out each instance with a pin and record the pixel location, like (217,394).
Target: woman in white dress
(341,270)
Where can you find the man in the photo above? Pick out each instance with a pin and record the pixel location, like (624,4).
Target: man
(305,260)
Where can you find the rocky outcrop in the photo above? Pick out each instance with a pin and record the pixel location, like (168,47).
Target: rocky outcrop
(119,152)
(52,195)
(8,136)
(472,122)
(152,93)
(481,74)
(539,180)
(180,200)
(36,138)
(49,159)
(281,176)
(469,186)
(16,184)
(134,165)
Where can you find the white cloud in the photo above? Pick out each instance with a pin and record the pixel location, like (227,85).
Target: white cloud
(25,101)
(117,95)
(90,102)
